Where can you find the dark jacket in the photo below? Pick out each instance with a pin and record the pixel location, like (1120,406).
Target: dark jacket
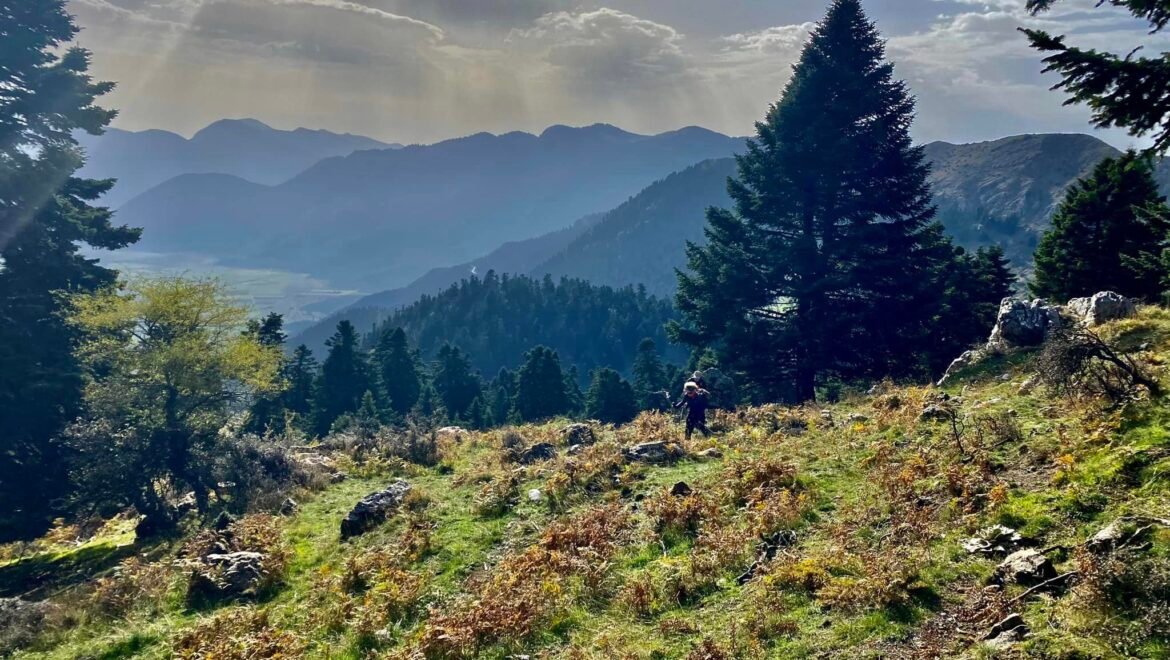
(696,405)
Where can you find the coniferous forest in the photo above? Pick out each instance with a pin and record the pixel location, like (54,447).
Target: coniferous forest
(843,435)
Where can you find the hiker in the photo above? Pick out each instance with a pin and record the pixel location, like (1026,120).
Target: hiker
(695,399)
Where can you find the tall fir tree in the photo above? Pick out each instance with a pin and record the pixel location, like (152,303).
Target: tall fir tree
(46,215)
(300,372)
(398,371)
(573,392)
(1106,235)
(1124,91)
(344,379)
(827,267)
(456,383)
(540,386)
(267,412)
(610,398)
(501,394)
(650,378)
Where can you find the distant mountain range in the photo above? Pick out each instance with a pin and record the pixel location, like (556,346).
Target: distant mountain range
(243,148)
(376,219)
(1002,192)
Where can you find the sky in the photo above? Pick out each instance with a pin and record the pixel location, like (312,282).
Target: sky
(418,71)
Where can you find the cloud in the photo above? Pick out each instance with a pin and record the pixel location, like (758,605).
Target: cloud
(605,47)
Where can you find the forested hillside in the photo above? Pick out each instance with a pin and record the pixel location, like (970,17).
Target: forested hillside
(495,319)
(514,257)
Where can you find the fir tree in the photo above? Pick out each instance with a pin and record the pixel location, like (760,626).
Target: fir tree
(46,215)
(367,419)
(430,405)
(540,386)
(455,382)
(300,371)
(610,398)
(501,393)
(267,413)
(827,268)
(649,377)
(398,371)
(344,379)
(573,391)
(1106,235)
(478,416)
(1128,92)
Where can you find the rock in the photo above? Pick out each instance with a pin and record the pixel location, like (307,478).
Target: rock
(1026,567)
(373,509)
(453,432)
(535,495)
(1012,622)
(966,360)
(1101,308)
(578,434)
(857,418)
(653,452)
(229,575)
(1007,632)
(709,454)
(1029,385)
(541,451)
(1023,323)
(1114,535)
(288,507)
(935,412)
(681,489)
(994,540)
(575,449)
(827,417)
(21,622)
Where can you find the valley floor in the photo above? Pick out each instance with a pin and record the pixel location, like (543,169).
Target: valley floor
(796,532)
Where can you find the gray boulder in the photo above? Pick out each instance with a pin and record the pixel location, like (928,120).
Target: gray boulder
(230,575)
(653,452)
(1101,308)
(373,510)
(1026,567)
(966,360)
(578,434)
(1007,632)
(21,622)
(1023,323)
(994,540)
(541,451)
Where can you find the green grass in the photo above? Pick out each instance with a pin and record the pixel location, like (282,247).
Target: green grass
(875,488)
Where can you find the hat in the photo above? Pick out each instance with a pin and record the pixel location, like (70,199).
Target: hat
(691,385)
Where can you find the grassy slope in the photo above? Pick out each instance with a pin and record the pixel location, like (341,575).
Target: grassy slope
(879,503)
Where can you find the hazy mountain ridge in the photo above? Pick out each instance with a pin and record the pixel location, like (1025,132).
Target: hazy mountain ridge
(374,219)
(245,148)
(513,257)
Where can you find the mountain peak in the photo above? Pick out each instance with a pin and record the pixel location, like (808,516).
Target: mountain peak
(561,131)
(232,126)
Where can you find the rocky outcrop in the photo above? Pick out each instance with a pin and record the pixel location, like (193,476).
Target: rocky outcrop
(541,451)
(230,575)
(1028,323)
(1007,632)
(653,452)
(373,510)
(21,621)
(1101,308)
(994,540)
(1023,323)
(578,434)
(1026,567)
